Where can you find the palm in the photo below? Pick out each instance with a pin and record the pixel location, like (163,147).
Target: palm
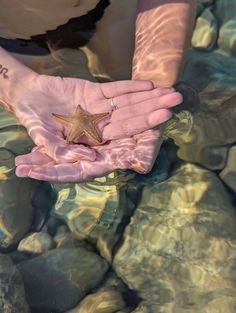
(137,153)
(58,95)
(129,142)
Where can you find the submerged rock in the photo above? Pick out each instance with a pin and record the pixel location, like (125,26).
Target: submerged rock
(228,175)
(95,211)
(12,294)
(224,10)
(206,31)
(21,203)
(16,210)
(227,38)
(36,243)
(196,137)
(60,278)
(207,131)
(65,239)
(179,250)
(106,300)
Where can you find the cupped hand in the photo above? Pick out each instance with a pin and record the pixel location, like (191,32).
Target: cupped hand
(129,153)
(140,107)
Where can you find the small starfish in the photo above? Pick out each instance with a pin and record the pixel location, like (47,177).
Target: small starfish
(82,123)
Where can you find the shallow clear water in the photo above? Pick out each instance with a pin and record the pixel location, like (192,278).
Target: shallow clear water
(161,242)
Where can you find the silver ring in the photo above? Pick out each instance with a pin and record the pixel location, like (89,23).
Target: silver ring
(113,105)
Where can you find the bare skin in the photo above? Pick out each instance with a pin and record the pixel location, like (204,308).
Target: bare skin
(163,32)
(129,151)
(33,98)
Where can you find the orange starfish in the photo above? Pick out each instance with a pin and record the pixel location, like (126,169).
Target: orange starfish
(82,123)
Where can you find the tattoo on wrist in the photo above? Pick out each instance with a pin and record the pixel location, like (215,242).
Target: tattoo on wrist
(3,71)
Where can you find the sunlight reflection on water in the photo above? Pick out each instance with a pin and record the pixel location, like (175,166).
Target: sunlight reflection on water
(169,235)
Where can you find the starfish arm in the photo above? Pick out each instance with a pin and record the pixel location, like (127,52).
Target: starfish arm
(92,132)
(67,119)
(100,116)
(81,123)
(74,134)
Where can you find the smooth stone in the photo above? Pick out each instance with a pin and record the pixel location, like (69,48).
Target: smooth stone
(103,301)
(206,31)
(36,243)
(205,133)
(43,201)
(51,225)
(109,298)
(12,294)
(17,256)
(60,278)
(16,210)
(179,250)
(21,205)
(224,10)
(65,239)
(145,307)
(13,136)
(228,175)
(200,9)
(189,133)
(95,211)
(227,38)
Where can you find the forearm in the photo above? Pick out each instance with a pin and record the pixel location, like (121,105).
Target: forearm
(15,78)
(163,33)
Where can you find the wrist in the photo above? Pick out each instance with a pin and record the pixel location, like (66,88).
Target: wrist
(15,80)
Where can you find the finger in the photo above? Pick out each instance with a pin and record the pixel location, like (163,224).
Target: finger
(115,89)
(136,125)
(53,173)
(35,158)
(166,101)
(149,141)
(83,171)
(138,97)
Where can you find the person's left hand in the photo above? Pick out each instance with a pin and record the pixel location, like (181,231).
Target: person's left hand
(139,107)
(134,153)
